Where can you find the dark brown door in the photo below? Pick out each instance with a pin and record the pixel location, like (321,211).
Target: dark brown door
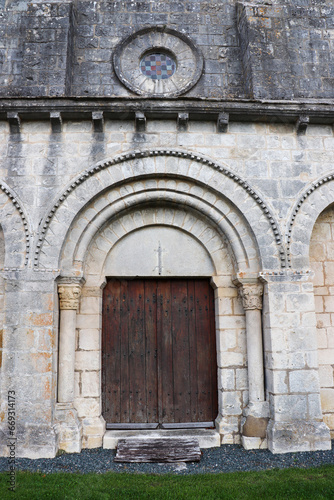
(159,353)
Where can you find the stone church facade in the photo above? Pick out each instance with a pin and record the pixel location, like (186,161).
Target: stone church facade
(167,145)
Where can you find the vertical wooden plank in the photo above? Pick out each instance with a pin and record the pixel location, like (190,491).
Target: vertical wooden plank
(124,358)
(111,351)
(165,357)
(137,367)
(180,351)
(213,350)
(193,375)
(105,333)
(150,306)
(203,351)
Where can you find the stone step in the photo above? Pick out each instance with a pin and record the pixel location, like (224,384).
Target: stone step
(207,438)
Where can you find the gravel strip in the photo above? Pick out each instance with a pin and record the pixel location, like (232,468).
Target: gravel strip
(227,458)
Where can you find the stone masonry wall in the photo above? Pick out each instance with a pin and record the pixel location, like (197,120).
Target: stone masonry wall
(272,50)
(66,48)
(254,177)
(287,49)
(276,161)
(34,50)
(322,262)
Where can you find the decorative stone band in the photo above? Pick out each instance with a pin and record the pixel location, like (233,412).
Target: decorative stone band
(69,295)
(251,296)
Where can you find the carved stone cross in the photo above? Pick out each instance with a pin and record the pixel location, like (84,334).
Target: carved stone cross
(159,251)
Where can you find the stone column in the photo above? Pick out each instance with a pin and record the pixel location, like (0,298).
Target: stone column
(68,427)
(251,296)
(69,295)
(256,414)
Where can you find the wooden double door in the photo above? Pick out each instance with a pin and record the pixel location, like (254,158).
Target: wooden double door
(159,363)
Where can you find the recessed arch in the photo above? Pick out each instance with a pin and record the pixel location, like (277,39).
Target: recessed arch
(322,265)
(207,237)
(219,218)
(113,178)
(180,191)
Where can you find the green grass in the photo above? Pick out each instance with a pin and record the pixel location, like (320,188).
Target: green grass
(277,484)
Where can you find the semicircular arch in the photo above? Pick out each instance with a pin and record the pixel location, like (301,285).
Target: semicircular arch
(115,231)
(218,215)
(178,167)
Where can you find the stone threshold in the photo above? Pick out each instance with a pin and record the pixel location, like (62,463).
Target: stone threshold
(207,438)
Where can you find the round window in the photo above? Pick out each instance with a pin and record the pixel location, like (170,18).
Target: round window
(158,66)
(158,62)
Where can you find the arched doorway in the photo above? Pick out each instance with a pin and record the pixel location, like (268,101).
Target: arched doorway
(208,227)
(159,362)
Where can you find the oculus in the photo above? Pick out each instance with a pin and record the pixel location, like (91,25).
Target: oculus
(158,65)
(158,62)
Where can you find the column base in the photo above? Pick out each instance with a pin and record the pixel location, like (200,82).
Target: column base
(301,435)
(254,426)
(68,428)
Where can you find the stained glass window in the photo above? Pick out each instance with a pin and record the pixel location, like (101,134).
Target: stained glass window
(158,66)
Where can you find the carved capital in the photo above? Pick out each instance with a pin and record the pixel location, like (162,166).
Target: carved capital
(251,296)
(69,295)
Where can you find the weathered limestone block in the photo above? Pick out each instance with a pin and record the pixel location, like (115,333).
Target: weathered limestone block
(93,431)
(293,379)
(68,428)
(300,435)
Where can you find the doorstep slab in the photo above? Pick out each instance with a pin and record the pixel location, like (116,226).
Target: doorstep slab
(158,450)
(207,438)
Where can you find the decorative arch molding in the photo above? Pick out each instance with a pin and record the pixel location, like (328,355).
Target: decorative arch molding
(15,224)
(309,205)
(109,230)
(154,163)
(105,240)
(131,196)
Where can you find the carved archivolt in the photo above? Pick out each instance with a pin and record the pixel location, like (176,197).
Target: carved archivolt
(25,227)
(155,153)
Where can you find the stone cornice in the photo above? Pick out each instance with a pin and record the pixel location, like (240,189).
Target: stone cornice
(320,112)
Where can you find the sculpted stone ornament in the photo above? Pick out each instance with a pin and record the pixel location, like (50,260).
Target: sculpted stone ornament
(251,296)
(69,296)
